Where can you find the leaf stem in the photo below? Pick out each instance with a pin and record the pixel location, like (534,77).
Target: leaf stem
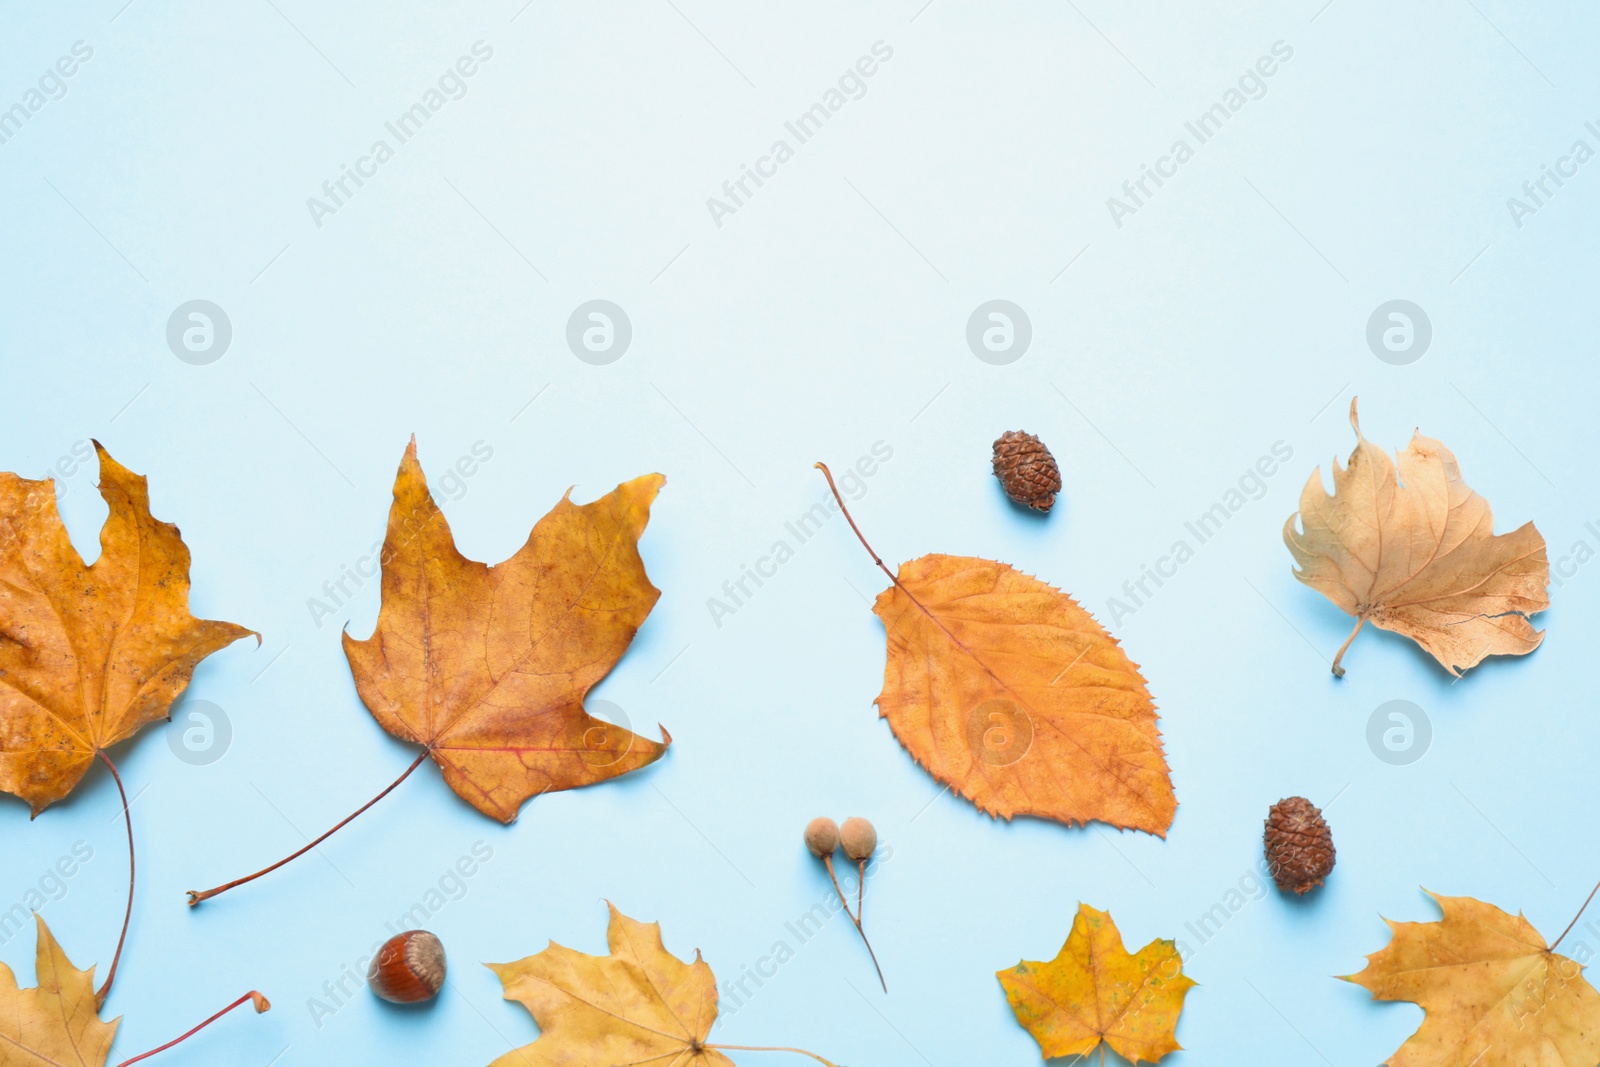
(1338,671)
(1576,917)
(127,916)
(196,896)
(761,1048)
(826,473)
(845,903)
(261,1004)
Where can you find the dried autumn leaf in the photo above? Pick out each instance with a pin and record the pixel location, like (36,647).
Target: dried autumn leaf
(1094,991)
(1419,556)
(56,1022)
(487,666)
(639,1005)
(1007,690)
(1494,994)
(89,654)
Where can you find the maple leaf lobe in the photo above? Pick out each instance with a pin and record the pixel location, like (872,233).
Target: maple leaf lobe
(55,1022)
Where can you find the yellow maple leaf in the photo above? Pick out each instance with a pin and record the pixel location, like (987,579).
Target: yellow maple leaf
(1004,687)
(1419,555)
(1095,990)
(89,655)
(639,1005)
(56,1022)
(487,666)
(1494,994)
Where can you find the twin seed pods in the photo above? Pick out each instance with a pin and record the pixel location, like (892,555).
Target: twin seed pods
(857,835)
(859,838)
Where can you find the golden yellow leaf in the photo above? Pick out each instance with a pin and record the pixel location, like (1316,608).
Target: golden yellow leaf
(89,654)
(1094,991)
(1494,994)
(55,1023)
(640,1005)
(1007,690)
(487,666)
(1419,556)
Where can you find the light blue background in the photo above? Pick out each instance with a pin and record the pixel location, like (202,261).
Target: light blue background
(826,315)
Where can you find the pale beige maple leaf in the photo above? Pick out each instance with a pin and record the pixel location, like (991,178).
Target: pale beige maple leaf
(55,1022)
(1417,554)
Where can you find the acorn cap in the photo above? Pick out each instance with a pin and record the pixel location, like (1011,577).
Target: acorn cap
(822,836)
(1299,845)
(859,838)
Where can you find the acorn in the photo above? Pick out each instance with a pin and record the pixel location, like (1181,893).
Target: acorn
(822,836)
(1298,844)
(408,968)
(1026,469)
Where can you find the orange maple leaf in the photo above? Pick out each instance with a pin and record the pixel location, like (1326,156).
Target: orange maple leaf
(487,666)
(89,655)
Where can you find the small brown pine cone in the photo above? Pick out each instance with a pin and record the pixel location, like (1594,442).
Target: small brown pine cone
(1299,845)
(1026,469)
